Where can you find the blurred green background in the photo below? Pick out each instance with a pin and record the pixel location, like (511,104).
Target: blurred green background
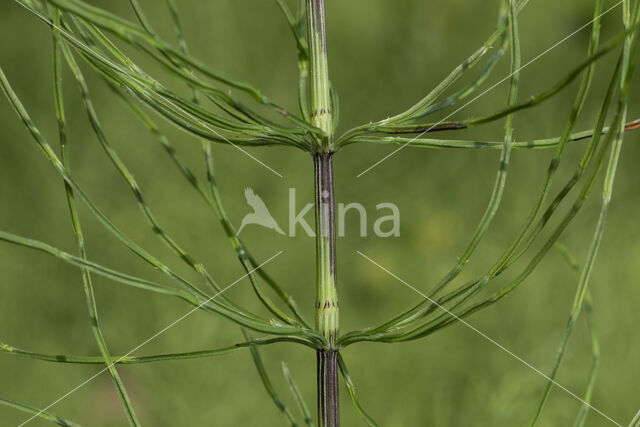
(384,55)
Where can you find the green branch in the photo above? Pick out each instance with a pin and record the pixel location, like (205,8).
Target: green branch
(130,360)
(48,416)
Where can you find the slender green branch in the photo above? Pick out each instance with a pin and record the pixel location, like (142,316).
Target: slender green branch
(129,360)
(519,245)
(48,416)
(178,111)
(137,192)
(233,314)
(586,64)
(207,304)
(586,271)
(446,320)
(268,385)
(473,287)
(238,246)
(134,34)
(492,145)
(64,173)
(423,106)
(243,255)
(472,86)
(75,221)
(128,31)
(185,114)
(351,388)
(496,195)
(297,394)
(297,25)
(213,199)
(595,365)
(225,101)
(595,345)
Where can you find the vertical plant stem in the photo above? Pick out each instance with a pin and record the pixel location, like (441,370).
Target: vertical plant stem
(319,85)
(327,296)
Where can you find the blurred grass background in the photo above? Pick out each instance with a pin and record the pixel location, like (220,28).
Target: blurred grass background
(383,56)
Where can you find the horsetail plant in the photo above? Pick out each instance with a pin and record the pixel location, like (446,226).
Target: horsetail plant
(211,113)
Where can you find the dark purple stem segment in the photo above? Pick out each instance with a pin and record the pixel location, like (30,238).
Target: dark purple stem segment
(328,409)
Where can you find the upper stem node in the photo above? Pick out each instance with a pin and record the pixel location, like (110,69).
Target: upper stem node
(321,113)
